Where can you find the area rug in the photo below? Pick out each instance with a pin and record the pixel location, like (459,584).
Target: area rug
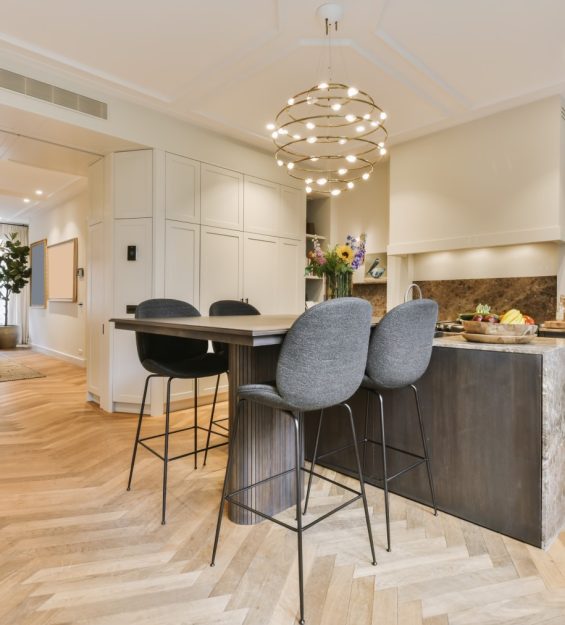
(10,370)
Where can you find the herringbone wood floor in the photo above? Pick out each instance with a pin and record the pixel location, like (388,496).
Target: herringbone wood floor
(75,547)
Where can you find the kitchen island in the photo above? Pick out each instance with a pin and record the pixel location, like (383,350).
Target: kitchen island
(495,422)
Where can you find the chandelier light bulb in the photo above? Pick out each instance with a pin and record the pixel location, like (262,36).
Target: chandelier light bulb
(352,92)
(383,115)
(375,123)
(350,158)
(321,181)
(290,165)
(342,141)
(290,101)
(275,134)
(350,185)
(336,191)
(296,137)
(308,189)
(367,116)
(314,159)
(342,171)
(365,176)
(323,85)
(280,163)
(312,139)
(381,144)
(360,129)
(283,131)
(308,181)
(350,118)
(271,126)
(310,125)
(382,151)
(336,106)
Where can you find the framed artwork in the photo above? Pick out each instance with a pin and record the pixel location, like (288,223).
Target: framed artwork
(38,281)
(62,271)
(375,266)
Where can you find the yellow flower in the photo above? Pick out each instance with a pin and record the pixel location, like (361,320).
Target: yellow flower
(345,253)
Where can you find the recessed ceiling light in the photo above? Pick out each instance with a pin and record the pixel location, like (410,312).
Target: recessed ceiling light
(39,192)
(27,200)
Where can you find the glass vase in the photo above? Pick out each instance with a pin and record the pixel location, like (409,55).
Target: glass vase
(339,285)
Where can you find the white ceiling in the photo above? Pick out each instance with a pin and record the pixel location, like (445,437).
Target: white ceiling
(231,64)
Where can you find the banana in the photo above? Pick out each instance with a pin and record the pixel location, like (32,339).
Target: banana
(513,316)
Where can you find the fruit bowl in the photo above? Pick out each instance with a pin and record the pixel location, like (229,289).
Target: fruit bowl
(500,329)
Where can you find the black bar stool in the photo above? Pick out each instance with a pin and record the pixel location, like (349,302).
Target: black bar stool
(224,308)
(172,357)
(321,364)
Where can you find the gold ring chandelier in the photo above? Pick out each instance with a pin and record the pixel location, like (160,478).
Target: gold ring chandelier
(331,135)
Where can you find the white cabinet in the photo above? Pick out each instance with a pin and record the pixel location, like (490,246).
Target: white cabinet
(95,307)
(182,261)
(182,188)
(96,192)
(133,184)
(221,198)
(260,272)
(292,214)
(261,206)
(290,276)
(221,266)
(132,285)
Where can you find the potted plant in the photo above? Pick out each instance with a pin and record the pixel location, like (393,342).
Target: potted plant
(14,275)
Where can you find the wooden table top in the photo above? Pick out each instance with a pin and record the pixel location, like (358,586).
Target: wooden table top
(252,330)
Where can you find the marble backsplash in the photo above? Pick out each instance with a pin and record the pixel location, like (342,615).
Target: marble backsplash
(375,294)
(533,296)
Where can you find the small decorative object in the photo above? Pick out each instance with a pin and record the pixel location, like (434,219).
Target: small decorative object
(337,265)
(14,275)
(375,266)
(310,227)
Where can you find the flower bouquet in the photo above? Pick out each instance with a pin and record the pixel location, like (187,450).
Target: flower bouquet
(337,265)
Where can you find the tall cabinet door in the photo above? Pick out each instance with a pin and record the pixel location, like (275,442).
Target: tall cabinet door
(261,201)
(221,198)
(95,306)
(132,285)
(292,259)
(221,266)
(133,184)
(261,262)
(182,188)
(182,261)
(292,215)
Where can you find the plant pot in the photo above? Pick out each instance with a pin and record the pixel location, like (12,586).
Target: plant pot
(8,337)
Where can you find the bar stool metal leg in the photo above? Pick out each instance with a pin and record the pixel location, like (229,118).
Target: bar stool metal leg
(361,482)
(425,446)
(211,421)
(298,474)
(134,453)
(310,476)
(227,476)
(385,472)
(166,450)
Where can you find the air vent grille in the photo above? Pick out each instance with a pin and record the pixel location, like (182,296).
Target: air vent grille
(51,93)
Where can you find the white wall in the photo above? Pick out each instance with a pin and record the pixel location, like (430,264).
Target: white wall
(509,261)
(494,181)
(59,329)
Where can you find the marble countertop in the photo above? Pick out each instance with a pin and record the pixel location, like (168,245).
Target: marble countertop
(537,346)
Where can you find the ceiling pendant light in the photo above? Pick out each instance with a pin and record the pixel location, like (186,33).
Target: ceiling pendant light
(319,133)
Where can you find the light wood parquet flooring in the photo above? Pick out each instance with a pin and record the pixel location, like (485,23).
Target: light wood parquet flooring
(76,548)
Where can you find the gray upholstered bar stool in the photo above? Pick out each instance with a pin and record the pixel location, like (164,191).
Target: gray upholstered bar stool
(399,354)
(172,357)
(321,364)
(224,308)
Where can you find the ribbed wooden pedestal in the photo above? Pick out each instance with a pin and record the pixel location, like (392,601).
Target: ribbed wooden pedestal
(265,444)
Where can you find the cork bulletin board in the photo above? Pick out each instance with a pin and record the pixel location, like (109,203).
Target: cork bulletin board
(62,271)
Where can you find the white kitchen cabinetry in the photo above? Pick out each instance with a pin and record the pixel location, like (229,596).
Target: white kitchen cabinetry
(260,272)
(182,189)
(261,206)
(96,192)
(132,285)
(133,184)
(292,214)
(182,261)
(221,200)
(221,266)
(95,307)
(290,277)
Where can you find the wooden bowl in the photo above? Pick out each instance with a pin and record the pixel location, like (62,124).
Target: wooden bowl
(501,329)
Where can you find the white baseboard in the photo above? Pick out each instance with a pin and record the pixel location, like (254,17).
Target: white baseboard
(75,360)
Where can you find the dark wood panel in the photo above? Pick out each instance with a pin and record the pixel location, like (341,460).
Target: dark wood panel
(482,412)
